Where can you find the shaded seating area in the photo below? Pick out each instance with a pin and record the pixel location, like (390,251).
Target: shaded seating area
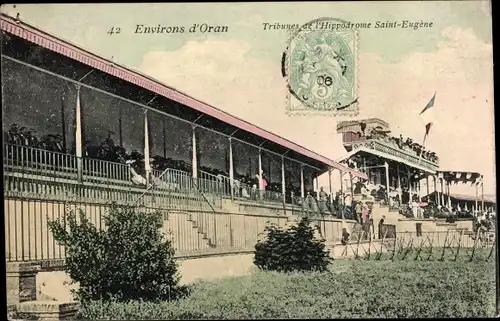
(73,117)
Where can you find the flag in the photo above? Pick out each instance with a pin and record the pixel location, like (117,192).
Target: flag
(429,105)
(427,116)
(427,130)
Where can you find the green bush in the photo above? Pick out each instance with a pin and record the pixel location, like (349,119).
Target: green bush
(129,260)
(294,249)
(353,289)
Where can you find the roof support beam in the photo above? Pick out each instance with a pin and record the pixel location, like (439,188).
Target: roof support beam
(91,71)
(199,117)
(152,99)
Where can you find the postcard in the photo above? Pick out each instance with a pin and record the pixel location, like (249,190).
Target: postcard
(249,160)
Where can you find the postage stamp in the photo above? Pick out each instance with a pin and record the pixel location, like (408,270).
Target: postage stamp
(320,68)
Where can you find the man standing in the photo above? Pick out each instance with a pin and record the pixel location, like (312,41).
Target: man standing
(358,211)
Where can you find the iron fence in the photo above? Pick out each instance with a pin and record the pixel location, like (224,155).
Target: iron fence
(28,237)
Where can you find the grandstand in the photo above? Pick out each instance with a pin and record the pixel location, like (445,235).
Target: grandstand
(81,131)
(397,167)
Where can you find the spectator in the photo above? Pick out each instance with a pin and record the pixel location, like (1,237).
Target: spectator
(364,215)
(358,211)
(367,224)
(414,209)
(323,198)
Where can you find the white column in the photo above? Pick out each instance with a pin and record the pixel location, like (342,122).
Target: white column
(194,157)
(409,186)
(428,189)
(342,195)
(302,189)
(442,193)
(260,170)
(147,165)
(477,198)
(399,177)
(231,167)
(482,193)
(448,192)
(330,184)
(78,137)
(434,180)
(283,190)
(316,187)
(386,165)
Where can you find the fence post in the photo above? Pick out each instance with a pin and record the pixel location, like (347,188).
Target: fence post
(369,248)
(474,245)
(357,245)
(492,247)
(215,229)
(431,243)
(444,245)
(459,245)
(379,255)
(394,247)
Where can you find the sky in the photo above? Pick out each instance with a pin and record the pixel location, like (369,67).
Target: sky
(239,71)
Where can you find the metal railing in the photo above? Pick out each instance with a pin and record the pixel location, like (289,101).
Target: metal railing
(38,161)
(46,175)
(96,170)
(214,183)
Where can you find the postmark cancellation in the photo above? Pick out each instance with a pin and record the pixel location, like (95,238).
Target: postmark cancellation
(320,68)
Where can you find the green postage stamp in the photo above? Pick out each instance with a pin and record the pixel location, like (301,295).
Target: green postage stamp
(320,68)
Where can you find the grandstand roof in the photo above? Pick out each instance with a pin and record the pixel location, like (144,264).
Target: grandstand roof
(64,48)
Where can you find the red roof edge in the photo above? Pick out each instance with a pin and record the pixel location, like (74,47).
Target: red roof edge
(41,38)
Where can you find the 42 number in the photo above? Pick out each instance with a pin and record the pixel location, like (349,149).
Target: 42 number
(114,30)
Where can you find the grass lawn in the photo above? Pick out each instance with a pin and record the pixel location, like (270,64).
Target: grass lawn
(351,289)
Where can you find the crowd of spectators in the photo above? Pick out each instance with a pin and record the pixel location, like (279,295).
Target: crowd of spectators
(23,136)
(406,144)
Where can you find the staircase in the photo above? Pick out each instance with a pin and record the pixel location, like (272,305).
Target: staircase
(201,223)
(186,234)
